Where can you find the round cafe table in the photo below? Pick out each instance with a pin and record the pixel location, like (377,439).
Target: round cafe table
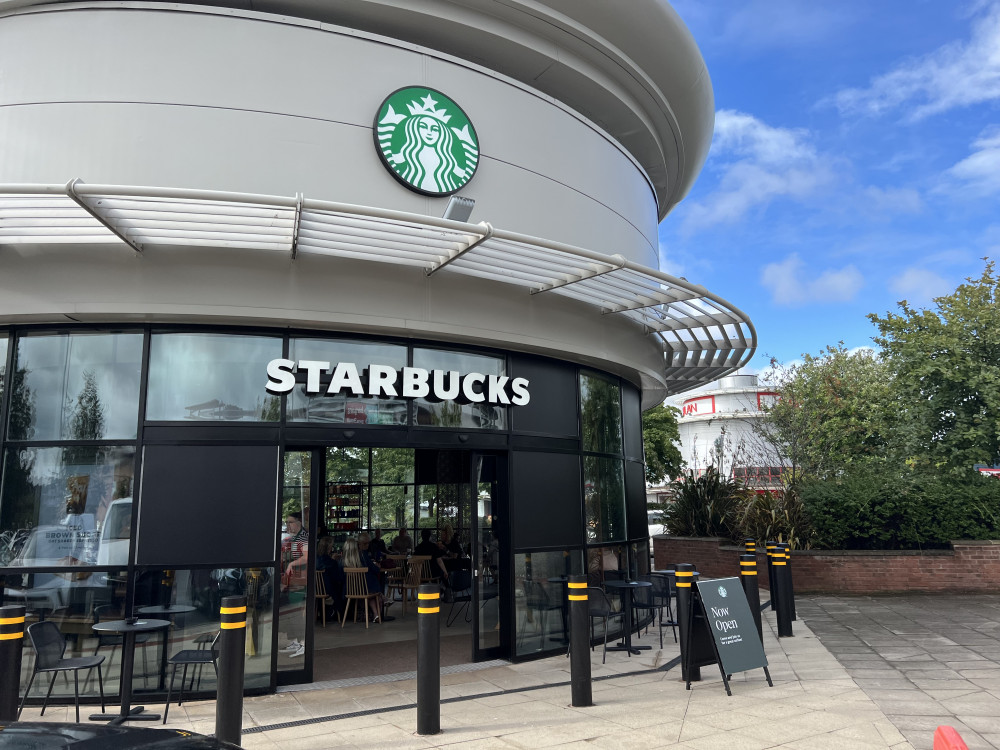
(626,588)
(170,611)
(128,628)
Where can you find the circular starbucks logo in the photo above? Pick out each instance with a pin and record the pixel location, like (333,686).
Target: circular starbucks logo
(722,592)
(426,141)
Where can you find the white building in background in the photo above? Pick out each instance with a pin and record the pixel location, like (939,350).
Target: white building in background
(717,428)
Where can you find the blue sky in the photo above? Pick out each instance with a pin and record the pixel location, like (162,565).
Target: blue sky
(855,163)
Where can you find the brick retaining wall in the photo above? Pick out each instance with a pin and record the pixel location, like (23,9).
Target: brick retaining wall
(970,566)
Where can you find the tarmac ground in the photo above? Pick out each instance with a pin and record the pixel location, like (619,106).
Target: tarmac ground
(860,673)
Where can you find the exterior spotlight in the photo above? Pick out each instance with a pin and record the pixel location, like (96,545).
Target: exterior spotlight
(459,208)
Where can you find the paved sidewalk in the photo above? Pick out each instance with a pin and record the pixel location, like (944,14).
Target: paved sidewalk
(814,705)
(924,660)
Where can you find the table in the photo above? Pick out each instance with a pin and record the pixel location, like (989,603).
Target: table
(129,629)
(168,611)
(626,588)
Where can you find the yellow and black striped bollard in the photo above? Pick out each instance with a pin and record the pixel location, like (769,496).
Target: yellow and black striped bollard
(429,659)
(684,578)
(770,547)
(784,610)
(748,577)
(579,641)
(750,545)
(232,653)
(787,547)
(11,643)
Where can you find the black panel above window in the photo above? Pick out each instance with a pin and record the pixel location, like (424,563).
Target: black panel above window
(207,505)
(545,500)
(635,500)
(632,421)
(552,408)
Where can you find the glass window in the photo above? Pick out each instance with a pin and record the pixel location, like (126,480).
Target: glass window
(345,408)
(67,506)
(83,386)
(213,377)
(601,414)
(540,599)
(606,564)
(604,498)
(479,415)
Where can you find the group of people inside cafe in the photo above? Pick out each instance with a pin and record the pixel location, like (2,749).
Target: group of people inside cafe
(367,550)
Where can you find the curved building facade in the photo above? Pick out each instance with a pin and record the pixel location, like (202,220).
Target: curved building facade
(364,265)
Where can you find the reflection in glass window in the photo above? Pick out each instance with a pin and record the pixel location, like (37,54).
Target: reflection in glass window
(604,498)
(211,377)
(66,506)
(3,363)
(74,603)
(345,408)
(83,386)
(539,594)
(600,414)
(606,564)
(452,413)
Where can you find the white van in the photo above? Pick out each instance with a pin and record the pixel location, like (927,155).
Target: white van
(115,532)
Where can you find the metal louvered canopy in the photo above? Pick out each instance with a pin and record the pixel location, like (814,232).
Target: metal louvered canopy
(703,336)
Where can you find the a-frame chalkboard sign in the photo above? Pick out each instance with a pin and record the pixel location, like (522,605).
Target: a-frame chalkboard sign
(722,630)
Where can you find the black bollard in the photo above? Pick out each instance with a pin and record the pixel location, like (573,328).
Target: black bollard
(232,649)
(684,578)
(748,577)
(579,642)
(769,547)
(788,566)
(11,643)
(429,659)
(750,545)
(784,610)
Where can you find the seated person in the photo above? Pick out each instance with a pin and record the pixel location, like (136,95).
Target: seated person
(333,575)
(430,549)
(402,544)
(377,546)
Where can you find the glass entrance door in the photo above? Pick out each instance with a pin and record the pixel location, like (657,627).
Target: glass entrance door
(295,601)
(489,551)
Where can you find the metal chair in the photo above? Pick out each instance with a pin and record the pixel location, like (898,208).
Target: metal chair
(599,606)
(644,600)
(662,595)
(188,658)
(49,646)
(357,591)
(461,587)
(537,600)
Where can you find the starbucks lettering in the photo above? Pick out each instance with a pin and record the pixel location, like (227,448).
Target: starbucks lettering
(408,382)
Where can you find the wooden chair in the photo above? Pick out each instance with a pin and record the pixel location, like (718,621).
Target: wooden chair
(414,578)
(321,597)
(357,591)
(395,575)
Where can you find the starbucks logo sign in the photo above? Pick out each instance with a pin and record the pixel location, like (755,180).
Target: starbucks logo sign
(426,141)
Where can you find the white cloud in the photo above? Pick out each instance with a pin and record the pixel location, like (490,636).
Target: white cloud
(791,286)
(758,163)
(955,75)
(887,202)
(981,170)
(919,286)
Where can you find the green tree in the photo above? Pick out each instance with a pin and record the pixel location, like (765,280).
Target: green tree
(831,413)
(660,437)
(947,367)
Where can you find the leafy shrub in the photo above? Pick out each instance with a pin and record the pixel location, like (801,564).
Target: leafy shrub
(704,506)
(888,510)
(774,515)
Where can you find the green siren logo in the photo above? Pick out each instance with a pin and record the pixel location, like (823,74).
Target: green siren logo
(426,141)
